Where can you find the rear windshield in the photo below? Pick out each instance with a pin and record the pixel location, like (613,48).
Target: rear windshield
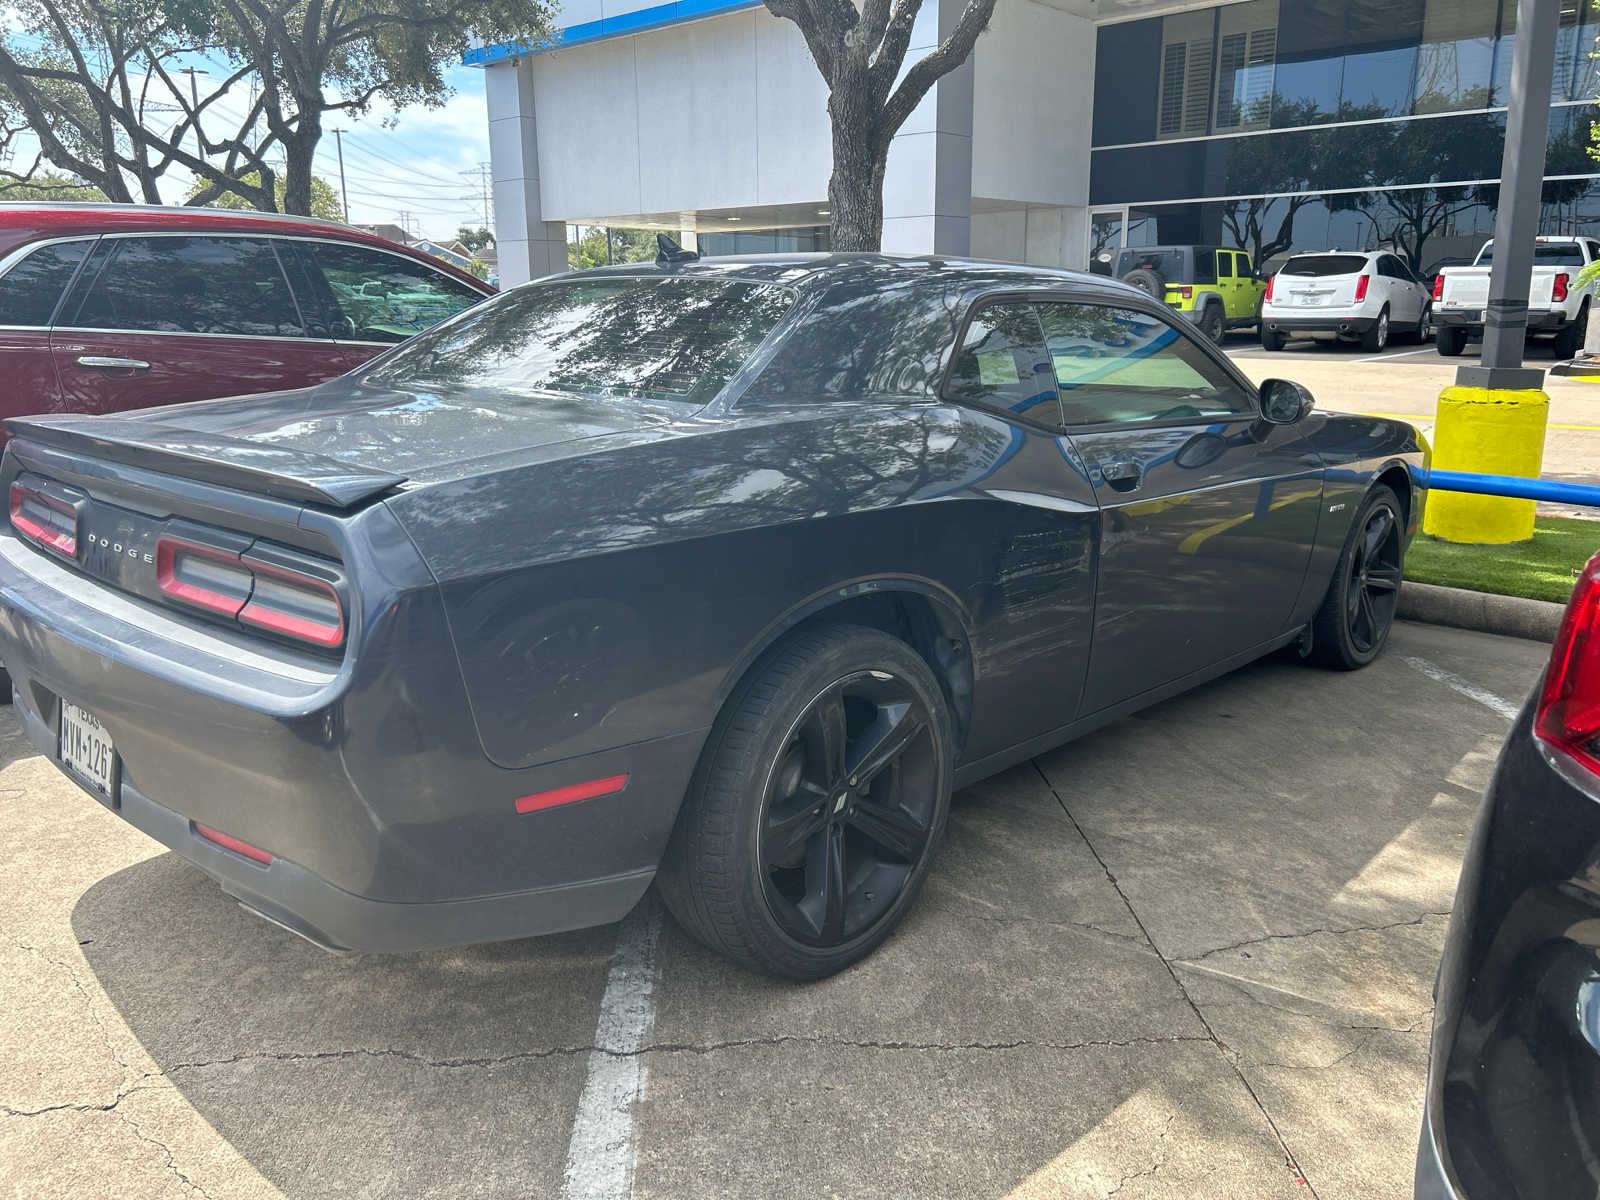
(675,339)
(1561,254)
(1168,262)
(1315,266)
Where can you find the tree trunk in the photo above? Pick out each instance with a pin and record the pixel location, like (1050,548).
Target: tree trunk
(855,191)
(299,153)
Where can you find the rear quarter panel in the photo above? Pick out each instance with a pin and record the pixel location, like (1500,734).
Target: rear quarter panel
(615,597)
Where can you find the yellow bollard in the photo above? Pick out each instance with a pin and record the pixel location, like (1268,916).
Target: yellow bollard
(1488,433)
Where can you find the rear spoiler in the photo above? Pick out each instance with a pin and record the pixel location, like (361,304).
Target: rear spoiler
(231,462)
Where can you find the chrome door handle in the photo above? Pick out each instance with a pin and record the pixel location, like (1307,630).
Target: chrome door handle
(98,360)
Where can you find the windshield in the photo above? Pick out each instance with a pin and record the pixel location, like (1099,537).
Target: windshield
(1558,254)
(1316,266)
(653,338)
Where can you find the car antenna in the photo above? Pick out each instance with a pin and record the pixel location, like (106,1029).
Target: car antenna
(669,253)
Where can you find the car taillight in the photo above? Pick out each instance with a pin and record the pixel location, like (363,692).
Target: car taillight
(294,604)
(1438,287)
(203,576)
(1559,291)
(1361,287)
(262,589)
(1271,281)
(50,521)
(1569,706)
(1186,292)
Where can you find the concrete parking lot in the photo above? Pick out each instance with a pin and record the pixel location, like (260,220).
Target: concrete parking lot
(1187,957)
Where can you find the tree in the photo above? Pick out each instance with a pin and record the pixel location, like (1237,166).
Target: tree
(324,200)
(102,87)
(47,185)
(859,52)
(627,245)
(474,239)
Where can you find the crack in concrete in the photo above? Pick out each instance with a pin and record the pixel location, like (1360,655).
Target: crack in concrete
(1424,1018)
(1051,923)
(291,1056)
(1289,937)
(172,1162)
(1155,1169)
(1222,1049)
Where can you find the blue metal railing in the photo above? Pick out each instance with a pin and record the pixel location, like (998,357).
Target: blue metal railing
(1515,487)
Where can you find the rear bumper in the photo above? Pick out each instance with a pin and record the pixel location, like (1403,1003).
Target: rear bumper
(1472,320)
(301,901)
(388,827)
(1321,323)
(1513,1100)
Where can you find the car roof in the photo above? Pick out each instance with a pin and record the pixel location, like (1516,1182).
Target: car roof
(821,269)
(24,221)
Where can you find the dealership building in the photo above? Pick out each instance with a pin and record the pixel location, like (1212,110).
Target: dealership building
(1077,127)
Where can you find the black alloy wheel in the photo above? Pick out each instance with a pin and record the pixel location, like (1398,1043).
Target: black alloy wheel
(817,807)
(1357,613)
(849,809)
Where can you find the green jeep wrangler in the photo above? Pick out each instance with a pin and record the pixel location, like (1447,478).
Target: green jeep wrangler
(1216,288)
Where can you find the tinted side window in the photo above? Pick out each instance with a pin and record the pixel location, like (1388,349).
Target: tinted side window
(1205,266)
(30,289)
(1116,366)
(381,297)
(1002,363)
(200,284)
(1224,265)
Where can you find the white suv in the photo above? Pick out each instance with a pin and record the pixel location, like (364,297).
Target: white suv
(1349,294)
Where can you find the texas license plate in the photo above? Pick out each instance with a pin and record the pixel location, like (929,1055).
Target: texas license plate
(86,749)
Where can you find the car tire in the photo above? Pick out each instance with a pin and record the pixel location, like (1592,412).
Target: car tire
(780,806)
(1424,329)
(1149,281)
(1212,323)
(1357,612)
(1570,340)
(1377,338)
(1450,341)
(1272,340)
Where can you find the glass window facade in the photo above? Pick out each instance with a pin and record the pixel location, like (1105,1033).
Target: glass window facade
(1279,125)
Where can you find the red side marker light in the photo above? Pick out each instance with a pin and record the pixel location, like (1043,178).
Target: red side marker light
(254,853)
(572,793)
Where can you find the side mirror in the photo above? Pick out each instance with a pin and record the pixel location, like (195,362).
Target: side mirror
(1283,402)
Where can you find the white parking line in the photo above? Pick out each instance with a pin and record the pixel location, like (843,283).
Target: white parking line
(600,1152)
(1471,691)
(1403,354)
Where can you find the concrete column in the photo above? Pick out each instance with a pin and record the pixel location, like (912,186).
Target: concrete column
(927,188)
(527,244)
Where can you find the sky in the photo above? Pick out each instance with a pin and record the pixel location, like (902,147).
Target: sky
(421,167)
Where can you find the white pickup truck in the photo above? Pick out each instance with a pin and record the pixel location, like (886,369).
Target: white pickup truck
(1556,305)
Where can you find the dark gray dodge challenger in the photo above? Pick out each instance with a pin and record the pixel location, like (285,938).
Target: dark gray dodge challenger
(717,574)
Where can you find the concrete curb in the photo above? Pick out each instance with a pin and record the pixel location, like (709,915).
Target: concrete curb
(1510,616)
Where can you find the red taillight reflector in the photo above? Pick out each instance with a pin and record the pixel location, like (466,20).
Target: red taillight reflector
(572,793)
(1569,705)
(203,576)
(1271,283)
(1438,287)
(45,519)
(1558,290)
(1361,287)
(296,605)
(253,853)
(1187,292)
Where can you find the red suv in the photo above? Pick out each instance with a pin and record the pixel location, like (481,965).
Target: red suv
(108,307)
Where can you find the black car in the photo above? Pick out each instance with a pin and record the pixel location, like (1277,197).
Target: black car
(1513,1102)
(715,574)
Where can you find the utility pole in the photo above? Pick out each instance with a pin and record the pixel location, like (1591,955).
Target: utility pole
(1505,325)
(194,74)
(344,196)
(481,171)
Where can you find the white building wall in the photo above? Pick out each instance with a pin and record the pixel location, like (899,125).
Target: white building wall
(1033,106)
(729,113)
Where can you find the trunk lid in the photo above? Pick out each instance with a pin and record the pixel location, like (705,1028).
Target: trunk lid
(1467,287)
(342,443)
